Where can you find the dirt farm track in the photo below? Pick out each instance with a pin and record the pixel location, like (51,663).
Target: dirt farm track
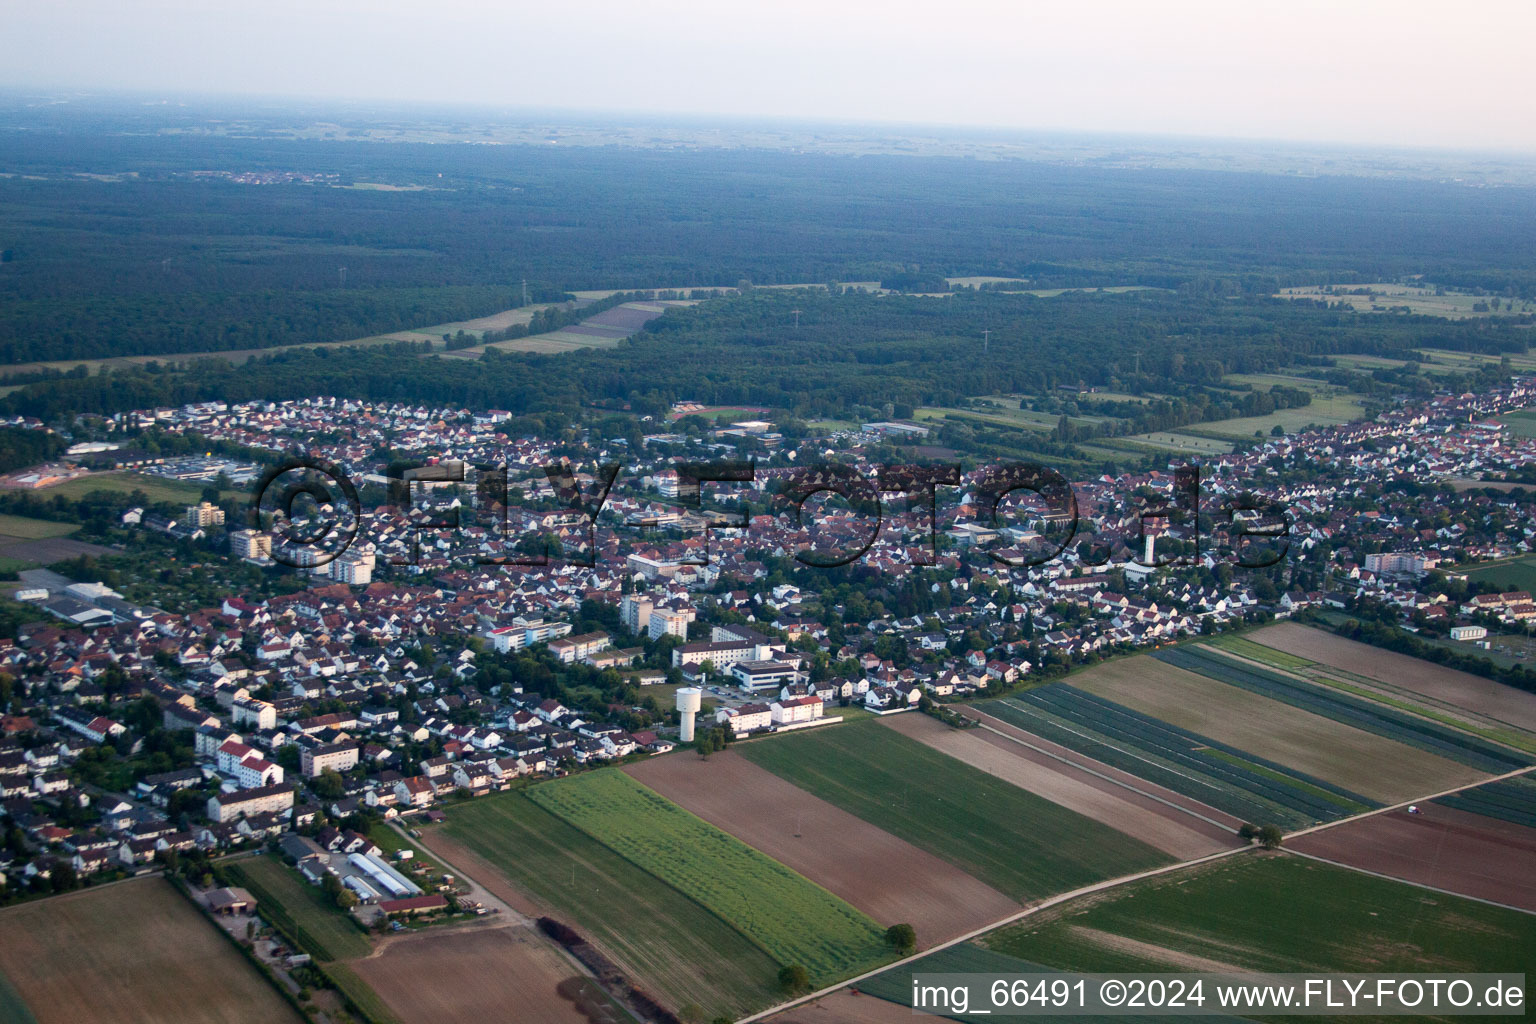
(887,878)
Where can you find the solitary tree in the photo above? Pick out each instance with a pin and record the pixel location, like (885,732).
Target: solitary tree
(1248,831)
(902,936)
(794,978)
(1270,837)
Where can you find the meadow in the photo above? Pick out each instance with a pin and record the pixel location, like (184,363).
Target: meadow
(1016,842)
(791,918)
(651,929)
(26,528)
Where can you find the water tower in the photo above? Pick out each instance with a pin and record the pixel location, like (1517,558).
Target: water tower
(689,699)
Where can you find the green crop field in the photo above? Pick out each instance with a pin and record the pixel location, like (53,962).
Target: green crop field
(791,918)
(652,929)
(1019,843)
(895,985)
(1245,648)
(1510,574)
(24,528)
(291,903)
(1273,913)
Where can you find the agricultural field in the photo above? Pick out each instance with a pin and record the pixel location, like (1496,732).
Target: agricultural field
(885,877)
(1273,913)
(893,988)
(26,543)
(1385,297)
(1506,574)
(1447,743)
(301,909)
(1442,846)
(1521,423)
(1091,793)
(132,951)
(1324,411)
(1302,740)
(1242,784)
(26,528)
(475,973)
(1188,443)
(601,330)
(1434,685)
(1019,843)
(650,929)
(1512,800)
(793,920)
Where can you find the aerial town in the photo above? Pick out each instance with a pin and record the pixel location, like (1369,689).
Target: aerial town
(403,674)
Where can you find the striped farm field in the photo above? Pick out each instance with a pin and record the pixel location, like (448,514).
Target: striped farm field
(888,879)
(652,930)
(1020,844)
(1511,800)
(1404,675)
(1435,738)
(792,919)
(1382,769)
(1242,784)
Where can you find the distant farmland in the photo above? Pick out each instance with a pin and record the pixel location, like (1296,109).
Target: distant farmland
(1019,843)
(131,952)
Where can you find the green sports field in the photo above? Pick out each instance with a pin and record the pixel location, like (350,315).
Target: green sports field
(1274,913)
(1019,843)
(655,931)
(791,918)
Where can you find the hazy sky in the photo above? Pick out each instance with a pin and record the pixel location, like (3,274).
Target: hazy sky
(1406,73)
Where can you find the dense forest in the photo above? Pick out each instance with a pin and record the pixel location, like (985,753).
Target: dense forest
(852,351)
(161,244)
